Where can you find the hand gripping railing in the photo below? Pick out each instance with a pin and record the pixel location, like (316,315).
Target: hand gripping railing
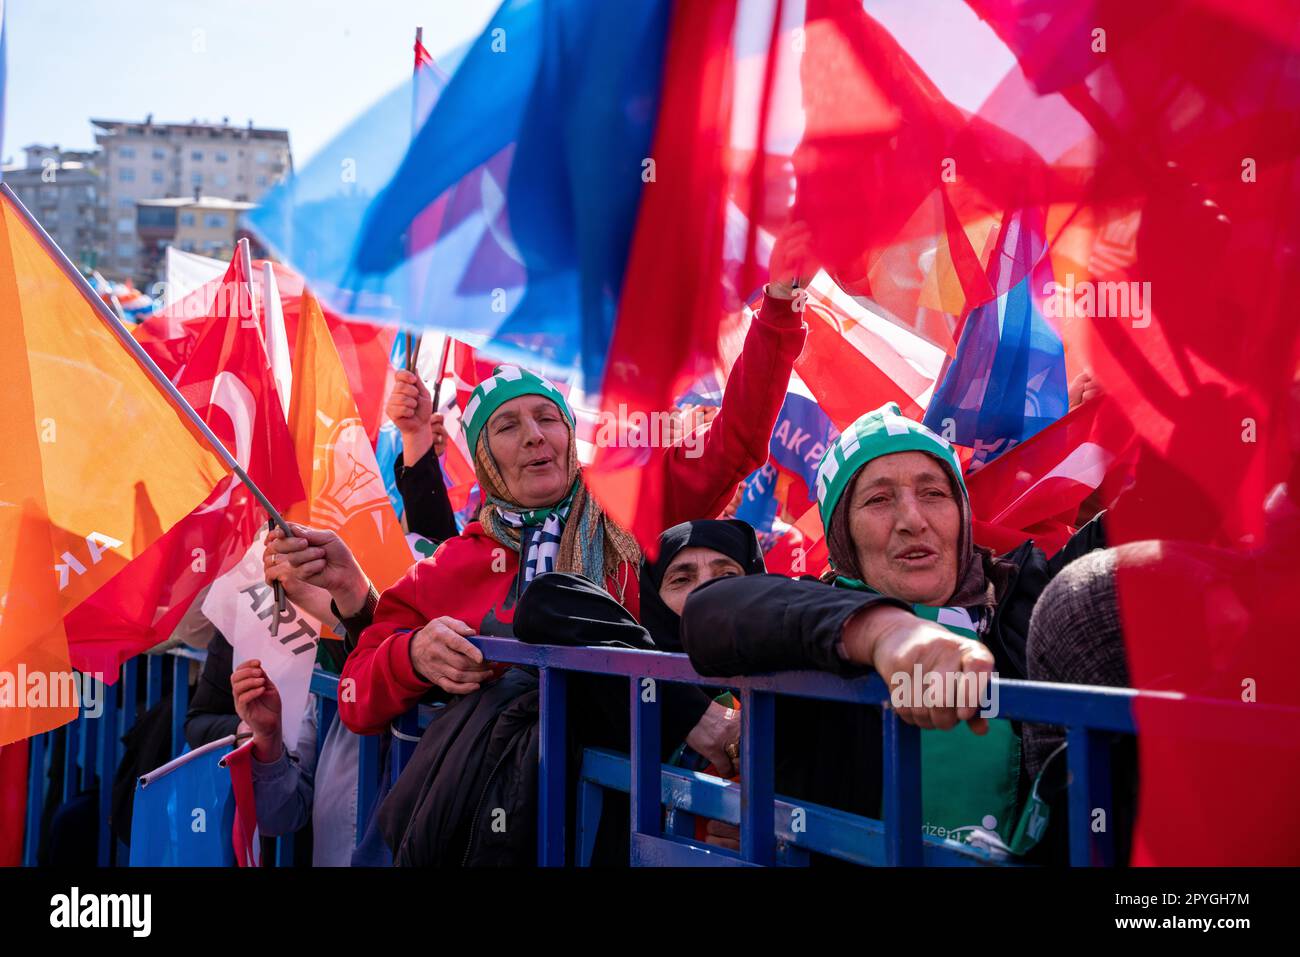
(1087,712)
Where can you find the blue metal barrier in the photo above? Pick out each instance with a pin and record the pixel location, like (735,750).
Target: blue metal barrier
(1086,712)
(91,750)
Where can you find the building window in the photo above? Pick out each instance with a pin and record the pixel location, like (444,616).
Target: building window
(125,251)
(219,180)
(214,221)
(261,156)
(125,225)
(126,152)
(197,156)
(196,179)
(125,202)
(187,219)
(156,176)
(126,175)
(261,181)
(159,154)
(221,156)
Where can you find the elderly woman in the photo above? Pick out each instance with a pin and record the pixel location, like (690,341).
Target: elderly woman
(537,517)
(908,589)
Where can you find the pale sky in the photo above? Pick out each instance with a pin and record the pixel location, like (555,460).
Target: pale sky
(308,66)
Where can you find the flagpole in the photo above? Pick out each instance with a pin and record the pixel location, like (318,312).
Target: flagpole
(442,370)
(124,336)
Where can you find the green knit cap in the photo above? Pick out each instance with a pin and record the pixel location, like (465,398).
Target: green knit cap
(882,432)
(506,383)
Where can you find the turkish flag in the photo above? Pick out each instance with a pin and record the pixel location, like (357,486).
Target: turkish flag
(227,379)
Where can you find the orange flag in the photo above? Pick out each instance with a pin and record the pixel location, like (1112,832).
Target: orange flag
(338,466)
(86,440)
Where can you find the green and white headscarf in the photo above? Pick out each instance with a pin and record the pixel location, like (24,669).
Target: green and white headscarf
(507,382)
(573,534)
(882,432)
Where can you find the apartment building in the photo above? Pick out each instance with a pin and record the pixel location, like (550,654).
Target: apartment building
(63,190)
(208,225)
(148,160)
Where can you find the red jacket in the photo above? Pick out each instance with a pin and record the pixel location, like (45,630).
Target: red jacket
(469,576)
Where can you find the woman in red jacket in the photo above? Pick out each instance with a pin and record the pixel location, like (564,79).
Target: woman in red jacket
(537,517)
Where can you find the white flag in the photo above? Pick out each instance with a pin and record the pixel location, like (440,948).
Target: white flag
(242,606)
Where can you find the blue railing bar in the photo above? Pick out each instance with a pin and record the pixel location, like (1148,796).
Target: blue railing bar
(36,778)
(901,791)
(130,684)
(153,681)
(107,727)
(180,698)
(70,758)
(126,714)
(646,715)
(758,776)
(824,830)
(650,851)
(85,747)
(552,745)
(1042,702)
(1090,815)
(324,684)
(367,780)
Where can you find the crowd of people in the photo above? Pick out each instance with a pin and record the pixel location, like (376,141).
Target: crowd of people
(908,592)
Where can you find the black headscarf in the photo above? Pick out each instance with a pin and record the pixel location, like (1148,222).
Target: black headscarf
(731,537)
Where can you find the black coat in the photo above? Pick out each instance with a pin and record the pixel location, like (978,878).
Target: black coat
(468,796)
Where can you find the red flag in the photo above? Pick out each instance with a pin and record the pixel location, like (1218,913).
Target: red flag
(227,380)
(1035,489)
(244,835)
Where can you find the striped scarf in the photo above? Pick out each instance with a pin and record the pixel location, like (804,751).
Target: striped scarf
(540,532)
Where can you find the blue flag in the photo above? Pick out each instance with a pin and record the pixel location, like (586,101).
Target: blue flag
(536,150)
(1007,381)
(183,812)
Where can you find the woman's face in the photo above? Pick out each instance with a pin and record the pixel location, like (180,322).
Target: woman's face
(691,568)
(905,524)
(529,439)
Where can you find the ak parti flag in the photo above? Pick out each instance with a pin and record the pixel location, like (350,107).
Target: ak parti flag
(95,465)
(337,465)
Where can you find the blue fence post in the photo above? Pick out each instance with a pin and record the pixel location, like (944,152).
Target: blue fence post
(180,701)
(36,779)
(902,791)
(757,777)
(153,681)
(1089,763)
(126,713)
(367,780)
(645,791)
(551,781)
(107,727)
(71,731)
(89,740)
(406,736)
